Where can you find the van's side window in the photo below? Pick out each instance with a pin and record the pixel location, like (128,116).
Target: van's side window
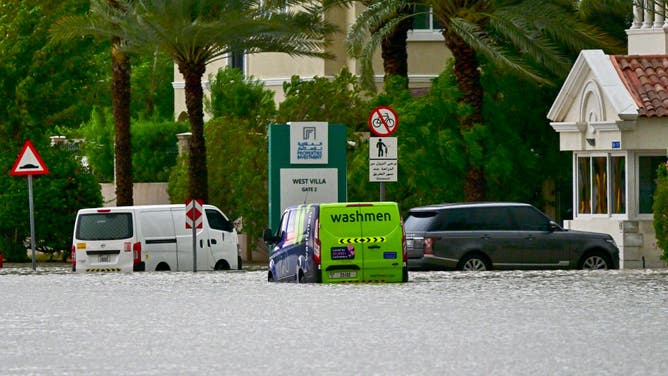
(290,227)
(283,226)
(217,221)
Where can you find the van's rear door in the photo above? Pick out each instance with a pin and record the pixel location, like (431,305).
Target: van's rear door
(361,242)
(104,238)
(382,236)
(342,255)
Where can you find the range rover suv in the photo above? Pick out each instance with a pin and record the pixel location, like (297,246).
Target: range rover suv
(500,235)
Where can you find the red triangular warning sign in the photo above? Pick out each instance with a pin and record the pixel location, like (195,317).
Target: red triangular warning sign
(29,162)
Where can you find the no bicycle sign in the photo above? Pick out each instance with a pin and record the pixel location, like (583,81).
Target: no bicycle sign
(383,121)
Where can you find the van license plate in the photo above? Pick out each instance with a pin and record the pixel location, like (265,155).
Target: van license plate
(335,275)
(104,258)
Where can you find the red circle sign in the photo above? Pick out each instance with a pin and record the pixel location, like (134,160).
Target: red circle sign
(383,121)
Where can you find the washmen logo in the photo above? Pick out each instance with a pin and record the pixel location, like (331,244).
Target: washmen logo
(360,217)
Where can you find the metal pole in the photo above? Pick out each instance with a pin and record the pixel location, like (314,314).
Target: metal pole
(382,191)
(194,245)
(32,223)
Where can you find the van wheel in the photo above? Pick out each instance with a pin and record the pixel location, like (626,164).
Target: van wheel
(474,262)
(595,261)
(404,274)
(162,267)
(222,265)
(299,278)
(238,262)
(270,277)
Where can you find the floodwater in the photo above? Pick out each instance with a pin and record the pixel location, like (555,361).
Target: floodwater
(53,322)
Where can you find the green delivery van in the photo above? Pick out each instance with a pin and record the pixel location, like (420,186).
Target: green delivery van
(338,242)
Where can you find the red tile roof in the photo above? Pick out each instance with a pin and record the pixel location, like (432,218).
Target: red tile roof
(646,78)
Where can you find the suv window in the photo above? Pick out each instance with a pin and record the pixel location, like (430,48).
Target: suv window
(495,218)
(529,219)
(422,221)
(454,220)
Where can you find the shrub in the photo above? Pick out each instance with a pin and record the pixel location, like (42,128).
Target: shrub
(57,196)
(234,96)
(660,209)
(154,146)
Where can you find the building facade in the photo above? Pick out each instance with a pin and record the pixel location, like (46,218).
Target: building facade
(427,57)
(612,114)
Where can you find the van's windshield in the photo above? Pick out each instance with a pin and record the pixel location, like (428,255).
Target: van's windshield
(104,226)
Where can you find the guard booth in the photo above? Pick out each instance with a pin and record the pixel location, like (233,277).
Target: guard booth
(612,114)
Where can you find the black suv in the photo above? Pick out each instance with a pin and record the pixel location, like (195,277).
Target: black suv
(500,235)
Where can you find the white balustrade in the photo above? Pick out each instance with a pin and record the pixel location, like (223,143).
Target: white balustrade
(649,14)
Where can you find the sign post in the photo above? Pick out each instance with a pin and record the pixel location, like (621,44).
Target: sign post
(30,163)
(383,122)
(194,221)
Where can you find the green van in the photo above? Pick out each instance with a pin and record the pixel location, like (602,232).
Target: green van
(339,242)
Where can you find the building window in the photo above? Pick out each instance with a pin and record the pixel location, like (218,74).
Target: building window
(647,167)
(236,60)
(584,186)
(424,19)
(601,184)
(618,184)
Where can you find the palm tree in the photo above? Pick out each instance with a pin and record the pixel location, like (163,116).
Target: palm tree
(121,90)
(96,25)
(532,38)
(197,32)
(393,43)
(388,28)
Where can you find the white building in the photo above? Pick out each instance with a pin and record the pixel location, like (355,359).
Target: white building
(612,114)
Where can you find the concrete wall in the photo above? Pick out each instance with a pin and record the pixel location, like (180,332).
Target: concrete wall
(142,194)
(636,240)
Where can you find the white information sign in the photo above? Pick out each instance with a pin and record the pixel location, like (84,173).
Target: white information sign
(383,156)
(308,185)
(308,142)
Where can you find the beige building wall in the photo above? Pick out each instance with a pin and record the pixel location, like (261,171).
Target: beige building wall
(427,57)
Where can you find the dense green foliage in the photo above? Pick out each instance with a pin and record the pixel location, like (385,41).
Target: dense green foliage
(238,172)
(660,209)
(153,143)
(57,196)
(207,30)
(48,89)
(43,85)
(237,154)
(235,96)
(44,88)
(338,101)
(152,91)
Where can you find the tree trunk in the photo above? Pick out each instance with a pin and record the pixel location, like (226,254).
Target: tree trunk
(121,108)
(198,185)
(467,75)
(394,50)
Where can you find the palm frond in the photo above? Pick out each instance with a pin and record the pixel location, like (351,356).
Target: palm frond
(529,41)
(483,44)
(372,19)
(561,24)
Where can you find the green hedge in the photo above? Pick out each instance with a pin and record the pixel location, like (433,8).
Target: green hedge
(660,209)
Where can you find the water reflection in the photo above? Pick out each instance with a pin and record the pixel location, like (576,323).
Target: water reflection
(502,323)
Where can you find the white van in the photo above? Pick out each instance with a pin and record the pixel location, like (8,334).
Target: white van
(152,237)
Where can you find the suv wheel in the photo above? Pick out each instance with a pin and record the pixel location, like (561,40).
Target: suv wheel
(474,263)
(595,261)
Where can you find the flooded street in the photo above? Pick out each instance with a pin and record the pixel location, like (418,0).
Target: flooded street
(53,322)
